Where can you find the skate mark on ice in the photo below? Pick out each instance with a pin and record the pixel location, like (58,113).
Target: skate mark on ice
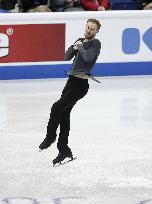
(59,200)
(148,201)
(20,200)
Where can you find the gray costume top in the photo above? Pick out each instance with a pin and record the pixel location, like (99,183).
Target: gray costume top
(85,56)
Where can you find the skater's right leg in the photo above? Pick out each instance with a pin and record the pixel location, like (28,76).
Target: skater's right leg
(52,126)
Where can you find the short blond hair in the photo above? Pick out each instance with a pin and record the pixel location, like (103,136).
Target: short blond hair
(93,20)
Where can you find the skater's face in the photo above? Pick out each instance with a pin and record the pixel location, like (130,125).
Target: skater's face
(91,30)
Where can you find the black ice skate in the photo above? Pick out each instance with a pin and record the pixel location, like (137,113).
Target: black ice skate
(62,156)
(47,142)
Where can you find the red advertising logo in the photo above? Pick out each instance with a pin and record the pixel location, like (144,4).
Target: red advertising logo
(32,43)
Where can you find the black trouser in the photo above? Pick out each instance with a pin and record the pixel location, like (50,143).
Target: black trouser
(74,90)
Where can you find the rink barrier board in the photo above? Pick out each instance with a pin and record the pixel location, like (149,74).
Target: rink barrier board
(59,71)
(125,50)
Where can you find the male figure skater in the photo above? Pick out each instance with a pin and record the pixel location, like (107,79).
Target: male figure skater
(85,52)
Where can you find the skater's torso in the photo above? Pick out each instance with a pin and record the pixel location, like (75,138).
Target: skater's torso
(85,57)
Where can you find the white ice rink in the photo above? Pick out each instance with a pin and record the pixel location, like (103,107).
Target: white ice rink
(111,135)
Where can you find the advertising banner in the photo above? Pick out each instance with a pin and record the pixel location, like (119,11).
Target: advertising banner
(32,43)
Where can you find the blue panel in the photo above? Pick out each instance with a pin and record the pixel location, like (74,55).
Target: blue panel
(34,71)
(123,69)
(147,38)
(131,41)
(59,71)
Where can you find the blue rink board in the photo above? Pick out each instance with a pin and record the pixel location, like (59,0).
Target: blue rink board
(59,71)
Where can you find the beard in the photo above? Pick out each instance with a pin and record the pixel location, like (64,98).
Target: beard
(88,37)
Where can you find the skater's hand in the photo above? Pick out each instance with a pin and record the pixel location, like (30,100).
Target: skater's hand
(76,44)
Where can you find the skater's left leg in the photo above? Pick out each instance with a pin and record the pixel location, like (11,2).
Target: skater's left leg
(62,144)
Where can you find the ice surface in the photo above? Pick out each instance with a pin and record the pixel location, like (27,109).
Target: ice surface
(111,135)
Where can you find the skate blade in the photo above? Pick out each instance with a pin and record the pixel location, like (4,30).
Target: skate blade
(64,162)
(41,150)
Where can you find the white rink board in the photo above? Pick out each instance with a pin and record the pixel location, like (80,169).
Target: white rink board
(113,24)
